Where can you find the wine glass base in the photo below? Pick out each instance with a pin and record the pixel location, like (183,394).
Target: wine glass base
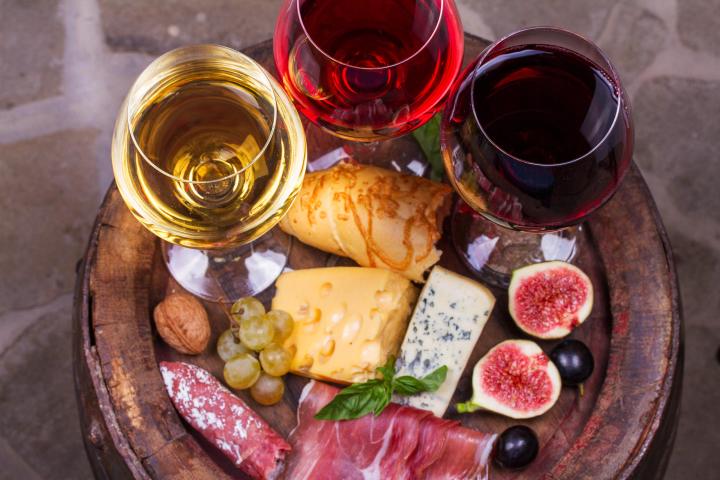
(226,275)
(493,252)
(402,154)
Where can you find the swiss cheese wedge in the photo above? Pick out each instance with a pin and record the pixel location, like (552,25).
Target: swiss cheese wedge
(348,320)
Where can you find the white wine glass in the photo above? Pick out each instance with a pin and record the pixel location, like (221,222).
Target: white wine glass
(208,154)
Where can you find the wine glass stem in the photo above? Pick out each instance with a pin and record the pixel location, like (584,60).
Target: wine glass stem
(493,252)
(226,275)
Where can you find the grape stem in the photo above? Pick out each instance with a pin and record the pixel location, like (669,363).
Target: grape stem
(226,311)
(467,407)
(581,387)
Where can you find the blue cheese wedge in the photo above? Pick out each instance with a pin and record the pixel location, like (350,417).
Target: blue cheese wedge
(448,319)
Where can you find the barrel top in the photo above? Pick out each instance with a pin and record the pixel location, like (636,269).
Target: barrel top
(613,432)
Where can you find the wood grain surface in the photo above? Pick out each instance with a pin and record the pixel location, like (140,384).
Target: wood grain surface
(623,427)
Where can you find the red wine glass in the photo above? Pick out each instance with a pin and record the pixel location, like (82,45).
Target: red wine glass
(367,70)
(537,135)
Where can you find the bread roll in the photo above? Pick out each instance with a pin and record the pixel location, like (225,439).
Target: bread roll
(377,217)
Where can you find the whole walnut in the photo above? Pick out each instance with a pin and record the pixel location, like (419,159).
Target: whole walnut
(182,321)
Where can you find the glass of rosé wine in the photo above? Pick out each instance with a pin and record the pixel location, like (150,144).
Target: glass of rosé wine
(367,71)
(536,135)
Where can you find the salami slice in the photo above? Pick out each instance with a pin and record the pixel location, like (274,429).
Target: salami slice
(225,420)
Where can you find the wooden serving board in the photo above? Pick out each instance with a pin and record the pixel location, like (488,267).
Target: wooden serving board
(623,427)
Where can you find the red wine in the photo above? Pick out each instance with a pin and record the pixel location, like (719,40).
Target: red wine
(369,69)
(543,145)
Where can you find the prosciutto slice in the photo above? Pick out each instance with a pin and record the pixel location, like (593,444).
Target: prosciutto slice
(402,443)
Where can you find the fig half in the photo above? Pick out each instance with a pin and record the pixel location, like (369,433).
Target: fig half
(516,379)
(548,300)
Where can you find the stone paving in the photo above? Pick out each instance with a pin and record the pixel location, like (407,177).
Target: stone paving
(66,64)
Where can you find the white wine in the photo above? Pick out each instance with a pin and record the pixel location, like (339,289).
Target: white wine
(208,153)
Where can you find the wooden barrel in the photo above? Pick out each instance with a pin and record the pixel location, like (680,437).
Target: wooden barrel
(623,427)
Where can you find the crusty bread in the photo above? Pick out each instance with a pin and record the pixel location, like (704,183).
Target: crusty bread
(377,217)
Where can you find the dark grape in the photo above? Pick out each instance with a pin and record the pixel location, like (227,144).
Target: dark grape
(573,360)
(516,447)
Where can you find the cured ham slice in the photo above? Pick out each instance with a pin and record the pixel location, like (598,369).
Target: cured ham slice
(465,455)
(432,432)
(225,420)
(402,443)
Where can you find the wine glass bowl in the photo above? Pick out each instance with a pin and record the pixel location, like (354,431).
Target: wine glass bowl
(537,134)
(208,153)
(202,152)
(371,70)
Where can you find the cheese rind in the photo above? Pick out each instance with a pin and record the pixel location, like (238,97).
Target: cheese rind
(348,320)
(448,319)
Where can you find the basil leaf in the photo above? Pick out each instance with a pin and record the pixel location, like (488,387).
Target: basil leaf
(407,385)
(382,398)
(388,370)
(375,395)
(354,401)
(434,379)
(428,137)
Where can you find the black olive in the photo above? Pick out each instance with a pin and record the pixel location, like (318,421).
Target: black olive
(516,447)
(573,360)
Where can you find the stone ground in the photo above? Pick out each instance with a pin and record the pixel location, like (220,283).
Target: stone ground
(66,64)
